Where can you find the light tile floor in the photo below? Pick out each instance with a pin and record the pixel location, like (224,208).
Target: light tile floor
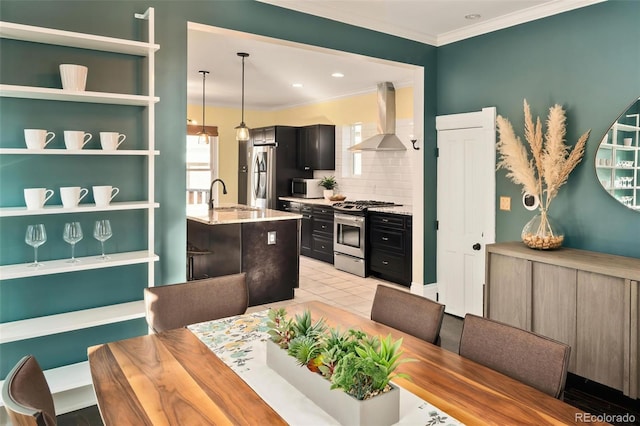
(321,281)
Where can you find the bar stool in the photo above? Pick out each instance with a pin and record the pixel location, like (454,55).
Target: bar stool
(192,252)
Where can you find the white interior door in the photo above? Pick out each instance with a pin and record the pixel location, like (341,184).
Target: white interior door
(466,207)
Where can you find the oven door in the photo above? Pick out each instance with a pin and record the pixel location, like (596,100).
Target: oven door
(349,234)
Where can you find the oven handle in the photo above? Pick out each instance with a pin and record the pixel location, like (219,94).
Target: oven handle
(348,218)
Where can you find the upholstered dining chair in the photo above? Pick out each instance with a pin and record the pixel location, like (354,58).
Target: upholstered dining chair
(411,313)
(528,357)
(178,305)
(26,395)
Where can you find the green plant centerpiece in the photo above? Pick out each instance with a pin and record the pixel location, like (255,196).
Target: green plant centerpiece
(328,182)
(360,365)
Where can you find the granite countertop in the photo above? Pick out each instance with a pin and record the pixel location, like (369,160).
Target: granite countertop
(235,213)
(318,201)
(405,210)
(402,210)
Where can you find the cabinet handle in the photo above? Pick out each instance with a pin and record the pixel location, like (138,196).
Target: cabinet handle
(321,246)
(384,262)
(476,246)
(385,220)
(385,239)
(324,226)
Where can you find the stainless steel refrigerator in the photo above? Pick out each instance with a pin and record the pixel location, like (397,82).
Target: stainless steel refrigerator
(262,176)
(271,164)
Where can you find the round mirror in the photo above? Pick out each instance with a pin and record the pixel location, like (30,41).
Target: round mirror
(618,158)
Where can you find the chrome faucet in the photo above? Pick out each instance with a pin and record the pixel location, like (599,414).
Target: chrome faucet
(224,191)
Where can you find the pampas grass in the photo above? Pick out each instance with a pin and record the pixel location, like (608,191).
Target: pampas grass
(545,166)
(542,168)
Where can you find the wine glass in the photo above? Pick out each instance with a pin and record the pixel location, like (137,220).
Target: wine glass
(102,232)
(36,236)
(72,234)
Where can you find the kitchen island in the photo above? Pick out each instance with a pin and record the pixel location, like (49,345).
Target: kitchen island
(234,238)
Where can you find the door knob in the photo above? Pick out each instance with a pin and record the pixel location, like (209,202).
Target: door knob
(476,246)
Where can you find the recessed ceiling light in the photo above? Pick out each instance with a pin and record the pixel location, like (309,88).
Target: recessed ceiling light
(297,85)
(337,75)
(472,16)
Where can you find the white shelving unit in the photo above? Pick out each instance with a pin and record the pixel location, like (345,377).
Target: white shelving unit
(82,208)
(71,384)
(60,266)
(43,93)
(61,323)
(612,154)
(25,151)
(84,41)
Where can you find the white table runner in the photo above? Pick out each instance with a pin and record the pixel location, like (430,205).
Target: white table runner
(240,342)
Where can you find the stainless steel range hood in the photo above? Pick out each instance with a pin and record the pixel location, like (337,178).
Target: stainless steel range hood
(386,140)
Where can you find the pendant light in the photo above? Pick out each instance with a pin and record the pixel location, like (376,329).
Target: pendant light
(203,136)
(242,131)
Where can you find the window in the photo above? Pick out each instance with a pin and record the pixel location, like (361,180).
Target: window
(201,168)
(356,137)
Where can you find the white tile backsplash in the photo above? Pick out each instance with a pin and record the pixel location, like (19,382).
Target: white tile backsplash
(386,175)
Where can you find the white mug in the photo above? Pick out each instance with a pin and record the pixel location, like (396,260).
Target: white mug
(72,195)
(35,198)
(76,139)
(74,77)
(103,195)
(110,141)
(37,138)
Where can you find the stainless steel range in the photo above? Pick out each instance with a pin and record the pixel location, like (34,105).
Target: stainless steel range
(350,235)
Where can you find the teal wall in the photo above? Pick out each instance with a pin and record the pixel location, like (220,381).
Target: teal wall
(32,297)
(587,60)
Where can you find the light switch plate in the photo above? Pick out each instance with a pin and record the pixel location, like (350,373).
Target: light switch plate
(271,237)
(505,203)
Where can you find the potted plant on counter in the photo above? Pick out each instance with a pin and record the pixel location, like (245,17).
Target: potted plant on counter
(329,183)
(359,365)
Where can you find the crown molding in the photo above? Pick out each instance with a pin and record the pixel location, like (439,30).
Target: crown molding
(513,19)
(324,10)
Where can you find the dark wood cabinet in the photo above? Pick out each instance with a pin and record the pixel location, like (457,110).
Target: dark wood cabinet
(272,269)
(272,274)
(317,147)
(305,223)
(322,233)
(262,135)
(306,229)
(390,247)
(218,249)
(316,229)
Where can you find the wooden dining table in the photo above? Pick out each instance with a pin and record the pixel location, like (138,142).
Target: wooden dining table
(173,378)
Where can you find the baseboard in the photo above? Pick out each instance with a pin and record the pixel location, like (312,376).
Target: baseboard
(430,291)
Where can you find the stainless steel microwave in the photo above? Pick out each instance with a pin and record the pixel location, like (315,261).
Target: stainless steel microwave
(306,188)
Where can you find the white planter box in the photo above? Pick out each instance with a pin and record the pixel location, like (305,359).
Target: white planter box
(382,410)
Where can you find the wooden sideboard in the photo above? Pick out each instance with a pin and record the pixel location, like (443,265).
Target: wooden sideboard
(586,299)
